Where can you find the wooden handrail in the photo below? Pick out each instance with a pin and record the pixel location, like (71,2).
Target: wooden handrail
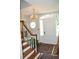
(28,29)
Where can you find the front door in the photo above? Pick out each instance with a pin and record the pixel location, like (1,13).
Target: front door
(49,29)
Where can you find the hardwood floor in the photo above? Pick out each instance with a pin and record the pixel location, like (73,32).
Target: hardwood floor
(48,56)
(46,50)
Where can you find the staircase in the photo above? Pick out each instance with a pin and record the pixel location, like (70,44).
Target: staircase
(27,50)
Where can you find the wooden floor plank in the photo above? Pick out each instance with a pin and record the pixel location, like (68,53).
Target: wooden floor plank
(33,55)
(27,52)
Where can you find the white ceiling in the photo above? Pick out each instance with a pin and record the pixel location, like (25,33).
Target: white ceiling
(41,6)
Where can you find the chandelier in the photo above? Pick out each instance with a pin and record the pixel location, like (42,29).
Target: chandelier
(33,16)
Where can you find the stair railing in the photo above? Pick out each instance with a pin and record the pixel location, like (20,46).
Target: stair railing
(29,31)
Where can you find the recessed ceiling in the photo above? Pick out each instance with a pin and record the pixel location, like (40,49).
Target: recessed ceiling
(41,6)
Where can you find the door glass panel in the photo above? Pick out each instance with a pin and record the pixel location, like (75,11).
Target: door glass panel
(41,28)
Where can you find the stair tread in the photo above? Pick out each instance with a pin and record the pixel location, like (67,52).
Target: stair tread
(24,41)
(25,46)
(33,55)
(27,52)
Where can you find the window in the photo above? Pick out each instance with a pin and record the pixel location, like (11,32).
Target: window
(41,28)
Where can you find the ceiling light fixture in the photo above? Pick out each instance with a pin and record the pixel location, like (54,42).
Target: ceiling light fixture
(33,17)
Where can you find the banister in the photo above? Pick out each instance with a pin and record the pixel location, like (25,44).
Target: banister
(29,32)
(28,29)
